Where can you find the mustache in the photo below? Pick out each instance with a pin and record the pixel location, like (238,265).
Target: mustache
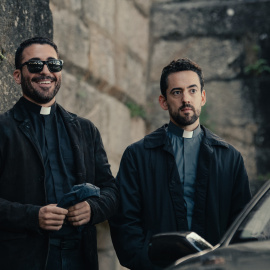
(39,78)
(186,106)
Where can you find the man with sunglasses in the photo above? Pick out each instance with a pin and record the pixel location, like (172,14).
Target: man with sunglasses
(44,152)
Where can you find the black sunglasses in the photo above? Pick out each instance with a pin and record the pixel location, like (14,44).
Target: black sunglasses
(36,66)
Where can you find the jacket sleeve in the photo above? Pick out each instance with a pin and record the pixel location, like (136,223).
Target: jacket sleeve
(106,205)
(241,191)
(16,217)
(128,236)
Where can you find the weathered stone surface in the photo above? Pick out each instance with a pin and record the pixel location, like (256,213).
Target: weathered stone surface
(228,114)
(217,57)
(226,106)
(143,5)
(101,13)
(110,116)
(156,115)
(209,18)
(129,20)
(71,37)
(18,21)
(131,76)
(72,5)
(102,56)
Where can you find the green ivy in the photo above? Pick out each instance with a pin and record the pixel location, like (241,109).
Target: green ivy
(2,57)
(135,110)
(259,67)
(263,177)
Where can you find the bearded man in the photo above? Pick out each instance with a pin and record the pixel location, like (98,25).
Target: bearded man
(47,156)
(181,177)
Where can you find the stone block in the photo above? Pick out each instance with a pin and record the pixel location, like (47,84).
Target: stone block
(144,6)
(101,13)
(226,106)
(110,116)
(129,20)
(218,58)
(156,116)
(137,129)
(72,38)
(131,76)
(209,18)
(102,56)
(19,21)
(71,5)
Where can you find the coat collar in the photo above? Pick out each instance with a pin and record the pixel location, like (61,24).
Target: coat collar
(20,114)
(159,138)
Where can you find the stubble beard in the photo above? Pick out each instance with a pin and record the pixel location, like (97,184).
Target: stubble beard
(37,95)
(185,120)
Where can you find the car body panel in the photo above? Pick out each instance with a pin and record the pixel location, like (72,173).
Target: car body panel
(247,256)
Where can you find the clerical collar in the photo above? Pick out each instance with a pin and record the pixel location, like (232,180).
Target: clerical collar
(32,107)
(172,128)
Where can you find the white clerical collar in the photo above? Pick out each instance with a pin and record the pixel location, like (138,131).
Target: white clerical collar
(45,110)
(179,132)
(187,134)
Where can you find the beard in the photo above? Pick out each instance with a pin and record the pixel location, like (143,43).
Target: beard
(37,95)
(185,120)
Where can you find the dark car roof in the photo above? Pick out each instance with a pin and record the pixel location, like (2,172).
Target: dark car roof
(247,256)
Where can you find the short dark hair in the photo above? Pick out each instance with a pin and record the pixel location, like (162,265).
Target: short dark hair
(181,64)
(29,42)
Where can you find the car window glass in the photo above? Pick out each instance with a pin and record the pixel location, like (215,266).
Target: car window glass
(256,226)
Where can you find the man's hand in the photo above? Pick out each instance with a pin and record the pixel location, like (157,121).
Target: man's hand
(79,214)
(51,217)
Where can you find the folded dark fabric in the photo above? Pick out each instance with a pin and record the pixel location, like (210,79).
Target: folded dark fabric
(79,193)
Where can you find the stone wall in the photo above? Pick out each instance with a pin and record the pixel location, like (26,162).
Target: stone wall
(18,22)
(225,38)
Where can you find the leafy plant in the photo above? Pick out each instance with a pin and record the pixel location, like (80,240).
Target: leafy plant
(2,57)
(135,110)
(259,67)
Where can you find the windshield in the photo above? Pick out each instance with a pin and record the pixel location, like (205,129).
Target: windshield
(256,226)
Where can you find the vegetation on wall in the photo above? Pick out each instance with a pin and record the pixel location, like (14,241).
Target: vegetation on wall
(259,66)
(135,110)
(2,57)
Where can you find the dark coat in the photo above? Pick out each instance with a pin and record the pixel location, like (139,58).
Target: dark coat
(151,194)
(23,245)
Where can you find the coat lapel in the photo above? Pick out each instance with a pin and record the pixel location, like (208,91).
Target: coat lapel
(203,169)
(75,132)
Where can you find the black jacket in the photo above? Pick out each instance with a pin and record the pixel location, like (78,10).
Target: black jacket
(23,245)
(151,194)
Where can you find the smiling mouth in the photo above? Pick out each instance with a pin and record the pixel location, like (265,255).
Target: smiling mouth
(44,82)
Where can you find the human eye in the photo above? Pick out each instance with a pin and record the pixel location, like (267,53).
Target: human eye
(193,91)
(176,93)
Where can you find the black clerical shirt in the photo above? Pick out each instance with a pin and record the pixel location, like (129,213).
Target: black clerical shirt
(56,150)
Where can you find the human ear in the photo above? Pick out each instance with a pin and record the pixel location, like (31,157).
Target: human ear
(17,76)
(163,102)
(203,97)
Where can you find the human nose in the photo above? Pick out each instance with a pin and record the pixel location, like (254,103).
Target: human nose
(45,69)
(185,97)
